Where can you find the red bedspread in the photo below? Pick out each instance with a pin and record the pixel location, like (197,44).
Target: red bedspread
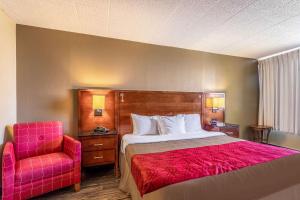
(155,170)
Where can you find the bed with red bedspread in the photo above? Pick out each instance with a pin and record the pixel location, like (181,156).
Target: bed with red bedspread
(218,167)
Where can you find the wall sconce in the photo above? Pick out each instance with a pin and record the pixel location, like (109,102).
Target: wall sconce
(98,104)
(215,103)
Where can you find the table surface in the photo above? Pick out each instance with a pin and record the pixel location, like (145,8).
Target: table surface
(92,133)
(226,125)
(260,127)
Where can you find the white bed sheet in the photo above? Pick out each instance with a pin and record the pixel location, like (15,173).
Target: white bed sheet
(141,139)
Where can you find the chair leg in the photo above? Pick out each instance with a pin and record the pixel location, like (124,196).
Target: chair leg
(77,187)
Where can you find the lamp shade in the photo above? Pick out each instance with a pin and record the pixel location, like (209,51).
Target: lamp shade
(209,102)
(218,102)
(98,102)
(215,102)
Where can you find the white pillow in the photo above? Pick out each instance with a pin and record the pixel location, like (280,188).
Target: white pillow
(192,123)
(144,125)
(171,124)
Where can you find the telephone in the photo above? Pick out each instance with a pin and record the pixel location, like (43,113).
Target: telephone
(101,129)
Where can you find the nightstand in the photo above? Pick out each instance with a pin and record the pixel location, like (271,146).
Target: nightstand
(232,130)
(99,149)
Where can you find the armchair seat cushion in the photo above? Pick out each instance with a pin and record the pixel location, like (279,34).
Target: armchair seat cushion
(40,167)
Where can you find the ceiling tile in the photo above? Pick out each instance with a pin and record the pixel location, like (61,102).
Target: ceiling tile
(247,28)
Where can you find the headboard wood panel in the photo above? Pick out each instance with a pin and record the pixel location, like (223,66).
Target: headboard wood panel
(153,103)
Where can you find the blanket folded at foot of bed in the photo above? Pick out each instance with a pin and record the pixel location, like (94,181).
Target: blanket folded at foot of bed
(155,170)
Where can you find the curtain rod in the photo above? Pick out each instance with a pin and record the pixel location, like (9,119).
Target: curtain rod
(277,54)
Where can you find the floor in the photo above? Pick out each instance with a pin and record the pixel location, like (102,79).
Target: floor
(99,184)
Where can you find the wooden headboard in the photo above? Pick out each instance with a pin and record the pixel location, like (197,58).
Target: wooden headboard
(153,103)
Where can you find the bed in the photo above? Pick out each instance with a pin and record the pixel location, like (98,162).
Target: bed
(275,175)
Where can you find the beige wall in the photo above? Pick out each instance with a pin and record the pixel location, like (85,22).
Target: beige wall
(7,74)
(50,64)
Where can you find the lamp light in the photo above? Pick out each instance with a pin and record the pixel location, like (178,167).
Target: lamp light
(215,103)
(98,104)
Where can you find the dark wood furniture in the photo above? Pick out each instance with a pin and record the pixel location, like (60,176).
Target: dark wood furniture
(232,130)
(86,119)
(153,103)
(261,133)
(208,113)
(99,149)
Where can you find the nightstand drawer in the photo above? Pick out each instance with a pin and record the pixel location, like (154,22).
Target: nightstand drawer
(95,144)
(233,132)
(98,157)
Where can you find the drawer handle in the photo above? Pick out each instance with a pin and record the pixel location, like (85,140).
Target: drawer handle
(98,144)
(98,157)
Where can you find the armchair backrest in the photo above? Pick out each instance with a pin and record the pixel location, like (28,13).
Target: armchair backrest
(37,138)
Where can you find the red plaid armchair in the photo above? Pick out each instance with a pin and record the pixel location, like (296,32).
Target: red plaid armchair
(39,160)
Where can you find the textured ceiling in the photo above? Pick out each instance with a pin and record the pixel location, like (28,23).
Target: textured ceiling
(247,28)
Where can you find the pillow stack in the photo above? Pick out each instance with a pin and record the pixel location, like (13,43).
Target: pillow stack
(164,125)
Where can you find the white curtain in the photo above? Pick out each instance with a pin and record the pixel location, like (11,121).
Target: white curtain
(279,83)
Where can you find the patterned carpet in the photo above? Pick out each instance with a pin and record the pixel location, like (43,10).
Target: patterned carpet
(99,184)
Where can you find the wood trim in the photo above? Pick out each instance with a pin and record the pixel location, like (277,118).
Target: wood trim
(117,110)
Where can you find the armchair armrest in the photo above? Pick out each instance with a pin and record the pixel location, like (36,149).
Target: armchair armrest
(8,171)
(72,148)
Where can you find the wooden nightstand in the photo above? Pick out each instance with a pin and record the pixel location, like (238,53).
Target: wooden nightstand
(232,130)
(99,149)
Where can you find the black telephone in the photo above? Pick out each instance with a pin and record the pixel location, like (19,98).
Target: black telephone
(101,129)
